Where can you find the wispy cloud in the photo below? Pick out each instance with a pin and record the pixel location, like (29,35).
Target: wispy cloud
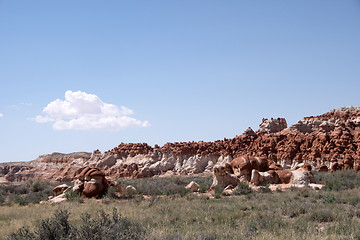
(19,105)
(26,104)
(83,111)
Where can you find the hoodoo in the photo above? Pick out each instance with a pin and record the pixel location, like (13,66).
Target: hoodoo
(328,141)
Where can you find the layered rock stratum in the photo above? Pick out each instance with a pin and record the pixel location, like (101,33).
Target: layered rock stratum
(329,139)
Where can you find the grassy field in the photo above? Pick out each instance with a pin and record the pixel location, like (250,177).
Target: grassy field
(332,213)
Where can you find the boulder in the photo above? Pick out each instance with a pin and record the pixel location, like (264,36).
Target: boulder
(272,125)
(91,182)
(323,168)
(357,168)
(78,186)
(193,186)
(60,189)
(130,189)
(301,177)
(57,199)
(243,165)
(262,178)
(335,166)
(93,188)
(307,166)
(223,176)
(284,176)
(107,161)
(275,166)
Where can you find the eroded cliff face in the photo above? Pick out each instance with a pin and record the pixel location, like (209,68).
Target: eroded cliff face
(320,140)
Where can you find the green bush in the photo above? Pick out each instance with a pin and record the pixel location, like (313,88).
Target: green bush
(13,189)
(19,200)
(264,189)
(204,186)
(111,193)
(294,209)
(101,227)
(218,190)
(36,185)
(32,191)
(26,199)
(166,185)
(339,180)
(328,198)
(2,199)
(72,196)
(321,215)
(242,189)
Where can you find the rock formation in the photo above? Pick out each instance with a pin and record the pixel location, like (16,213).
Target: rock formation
(193,186)
(329,140)
(272,125)
(60,189)
(91,182)
(223,176)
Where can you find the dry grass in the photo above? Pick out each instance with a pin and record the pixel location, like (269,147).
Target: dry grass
(295,214)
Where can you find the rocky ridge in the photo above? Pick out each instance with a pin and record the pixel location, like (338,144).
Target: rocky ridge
(323,140)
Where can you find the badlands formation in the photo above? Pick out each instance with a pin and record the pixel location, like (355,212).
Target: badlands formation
(328,141)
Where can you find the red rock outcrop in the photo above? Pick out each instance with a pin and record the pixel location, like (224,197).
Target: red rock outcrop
(223,176)
(331,139)
(91,182)
(323,168)
(60,189)
(272,125)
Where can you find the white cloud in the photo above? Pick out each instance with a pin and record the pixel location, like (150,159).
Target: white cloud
(1,115)
(20,105)
(83,111)
(26,104)
(41,119)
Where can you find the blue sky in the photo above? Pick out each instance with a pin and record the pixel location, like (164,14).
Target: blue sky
(184,70)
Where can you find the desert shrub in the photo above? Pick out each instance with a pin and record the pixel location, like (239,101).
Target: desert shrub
(339,180)
(26,198)
(33,198)
(165,185)
(345,230)
(18,200)
(204,187)
(101,227)
(218,190)
(260,221)
(111,193)
(110,196)
(328,198)
(199,236)
(55,228)
(294,209)
(264,189)
(131,193)
(352,200)
(105,227)
(13,189)
(242,189)
(35,185)
(304,192)
(32,191)
(183,192)
(204,182)
(72,196)
(2,199)
(321,215)
(22,234)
